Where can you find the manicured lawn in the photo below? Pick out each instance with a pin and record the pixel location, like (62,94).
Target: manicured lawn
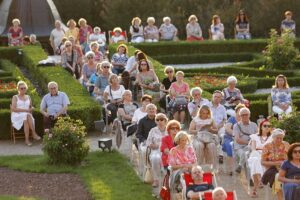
(106,175)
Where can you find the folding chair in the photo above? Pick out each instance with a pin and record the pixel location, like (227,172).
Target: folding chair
(230,195)
(111,33)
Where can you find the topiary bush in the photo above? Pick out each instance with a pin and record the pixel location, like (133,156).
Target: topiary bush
(66,144)
(291,124)
(280,52)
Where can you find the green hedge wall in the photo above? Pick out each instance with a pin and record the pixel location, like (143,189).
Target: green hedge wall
(203,58)
(206,47)
(82,105)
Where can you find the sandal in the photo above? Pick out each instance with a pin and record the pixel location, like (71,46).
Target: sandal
(253,194)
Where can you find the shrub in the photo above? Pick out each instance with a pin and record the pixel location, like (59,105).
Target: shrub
(290,124)
(66,144)
(280,52)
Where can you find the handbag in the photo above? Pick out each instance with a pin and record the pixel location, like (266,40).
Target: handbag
(148,173)
(165,193)
(207,137)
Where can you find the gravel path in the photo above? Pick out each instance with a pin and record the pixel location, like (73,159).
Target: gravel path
(202,65)
(268,90)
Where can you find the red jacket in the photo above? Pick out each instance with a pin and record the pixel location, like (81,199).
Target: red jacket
(166,143)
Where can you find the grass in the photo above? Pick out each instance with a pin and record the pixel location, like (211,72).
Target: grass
(17,198)
(107,176)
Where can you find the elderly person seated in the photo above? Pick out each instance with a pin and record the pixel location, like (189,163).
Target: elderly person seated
(257,143)
(136,30)
(242,132)
(289,173)
(144,126)
(193,29)
(227,145)
(72,30)
(91,82)
(101,81)
(126,109)
(179,94)
(288,25)
(117,36)
(119,59)
(141,112)
(94,47)
(168,31)
(273,156)
(84,31)
(56,37)
(154,142)
(148,80)
(217,28)
(89,67)
(195,190)
(99,38)
(15,34)
(281,96)
(33,40)
(21,113)
(151,32)
(181,159)
(53,105)
(219,194)
(205,132)
(232,96)
(167,142)
(69,59)
(219,116)
(113,96)
(196,102)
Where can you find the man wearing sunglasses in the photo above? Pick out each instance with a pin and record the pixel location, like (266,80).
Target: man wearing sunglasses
(53,105)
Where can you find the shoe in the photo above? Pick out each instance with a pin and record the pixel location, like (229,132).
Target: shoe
(28,144)
(238,169)
(37,138)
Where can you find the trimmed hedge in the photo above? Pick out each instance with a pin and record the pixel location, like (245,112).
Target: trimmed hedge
(82,105)
(246,71)
(207,46)
(203,58)
(5,100)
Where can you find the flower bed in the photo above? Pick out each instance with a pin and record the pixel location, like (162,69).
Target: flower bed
(5,87)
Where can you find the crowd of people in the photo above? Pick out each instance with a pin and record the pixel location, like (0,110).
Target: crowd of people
(187,131)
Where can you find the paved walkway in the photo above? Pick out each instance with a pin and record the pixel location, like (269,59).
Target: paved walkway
(230,183)
(202,65)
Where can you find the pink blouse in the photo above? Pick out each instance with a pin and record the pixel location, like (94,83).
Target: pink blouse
(178,157)
(180,90)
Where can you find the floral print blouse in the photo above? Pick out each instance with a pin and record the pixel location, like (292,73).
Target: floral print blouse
(178,157)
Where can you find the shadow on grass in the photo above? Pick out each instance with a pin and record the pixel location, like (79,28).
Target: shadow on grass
(108,176)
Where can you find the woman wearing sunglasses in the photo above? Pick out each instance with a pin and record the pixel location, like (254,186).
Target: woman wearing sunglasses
(289,173)
(257,143)
(21,116)
(167,142)
(154,142)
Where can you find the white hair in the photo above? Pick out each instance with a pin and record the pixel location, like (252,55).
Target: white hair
(150,19)
(97,28)
(218,189)
(89,53)
(276,132)
(244,110)
(151,105)
(231,79)
(166,18)
(32,36)
(180,135)
(16,20)
(194,89)
(52,83)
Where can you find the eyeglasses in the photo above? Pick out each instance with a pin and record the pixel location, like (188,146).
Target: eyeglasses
(169,72)
(296,151)
(197,94)
(106,67)
(91,57)
(23,88)
(162,119)
(174,128)
(267,126)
